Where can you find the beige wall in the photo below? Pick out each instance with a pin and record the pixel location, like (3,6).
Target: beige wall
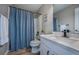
(39,27)
(4,9)
(67,16)
(48,11)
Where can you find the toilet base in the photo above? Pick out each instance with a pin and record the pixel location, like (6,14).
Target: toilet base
(35,50)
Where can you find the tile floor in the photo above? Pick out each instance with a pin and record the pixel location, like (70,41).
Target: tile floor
(22,52)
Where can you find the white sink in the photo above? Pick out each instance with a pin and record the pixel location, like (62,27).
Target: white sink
(60,34)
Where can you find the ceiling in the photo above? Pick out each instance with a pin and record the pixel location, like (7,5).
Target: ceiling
(30,7)
(36,7)
(59,7)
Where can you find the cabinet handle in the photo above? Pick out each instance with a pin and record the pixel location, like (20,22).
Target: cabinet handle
(76,30)
(47,52)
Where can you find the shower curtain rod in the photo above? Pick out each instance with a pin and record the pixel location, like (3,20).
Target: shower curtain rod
(27,10)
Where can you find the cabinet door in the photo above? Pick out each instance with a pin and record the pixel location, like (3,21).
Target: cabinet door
(41,49)
(44,49)
(51,52)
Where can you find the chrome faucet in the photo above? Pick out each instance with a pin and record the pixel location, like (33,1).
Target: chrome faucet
(65,33)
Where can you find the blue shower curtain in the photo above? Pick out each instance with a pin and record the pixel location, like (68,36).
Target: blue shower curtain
(21,28)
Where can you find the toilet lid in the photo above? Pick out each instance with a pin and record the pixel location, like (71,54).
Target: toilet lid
(35,42)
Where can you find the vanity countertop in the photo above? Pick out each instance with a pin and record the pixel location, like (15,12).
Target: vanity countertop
(62,40)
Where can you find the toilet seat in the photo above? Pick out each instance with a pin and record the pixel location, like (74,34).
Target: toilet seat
(35,43)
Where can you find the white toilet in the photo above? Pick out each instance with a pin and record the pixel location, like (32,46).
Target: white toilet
(35,46)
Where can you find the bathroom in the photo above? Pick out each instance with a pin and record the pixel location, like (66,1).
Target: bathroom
(39,29)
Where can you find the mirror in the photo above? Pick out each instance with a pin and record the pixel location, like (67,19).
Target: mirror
(76,20)
(56,24)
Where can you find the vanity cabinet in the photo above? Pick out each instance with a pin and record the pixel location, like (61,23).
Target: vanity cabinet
(48,47)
